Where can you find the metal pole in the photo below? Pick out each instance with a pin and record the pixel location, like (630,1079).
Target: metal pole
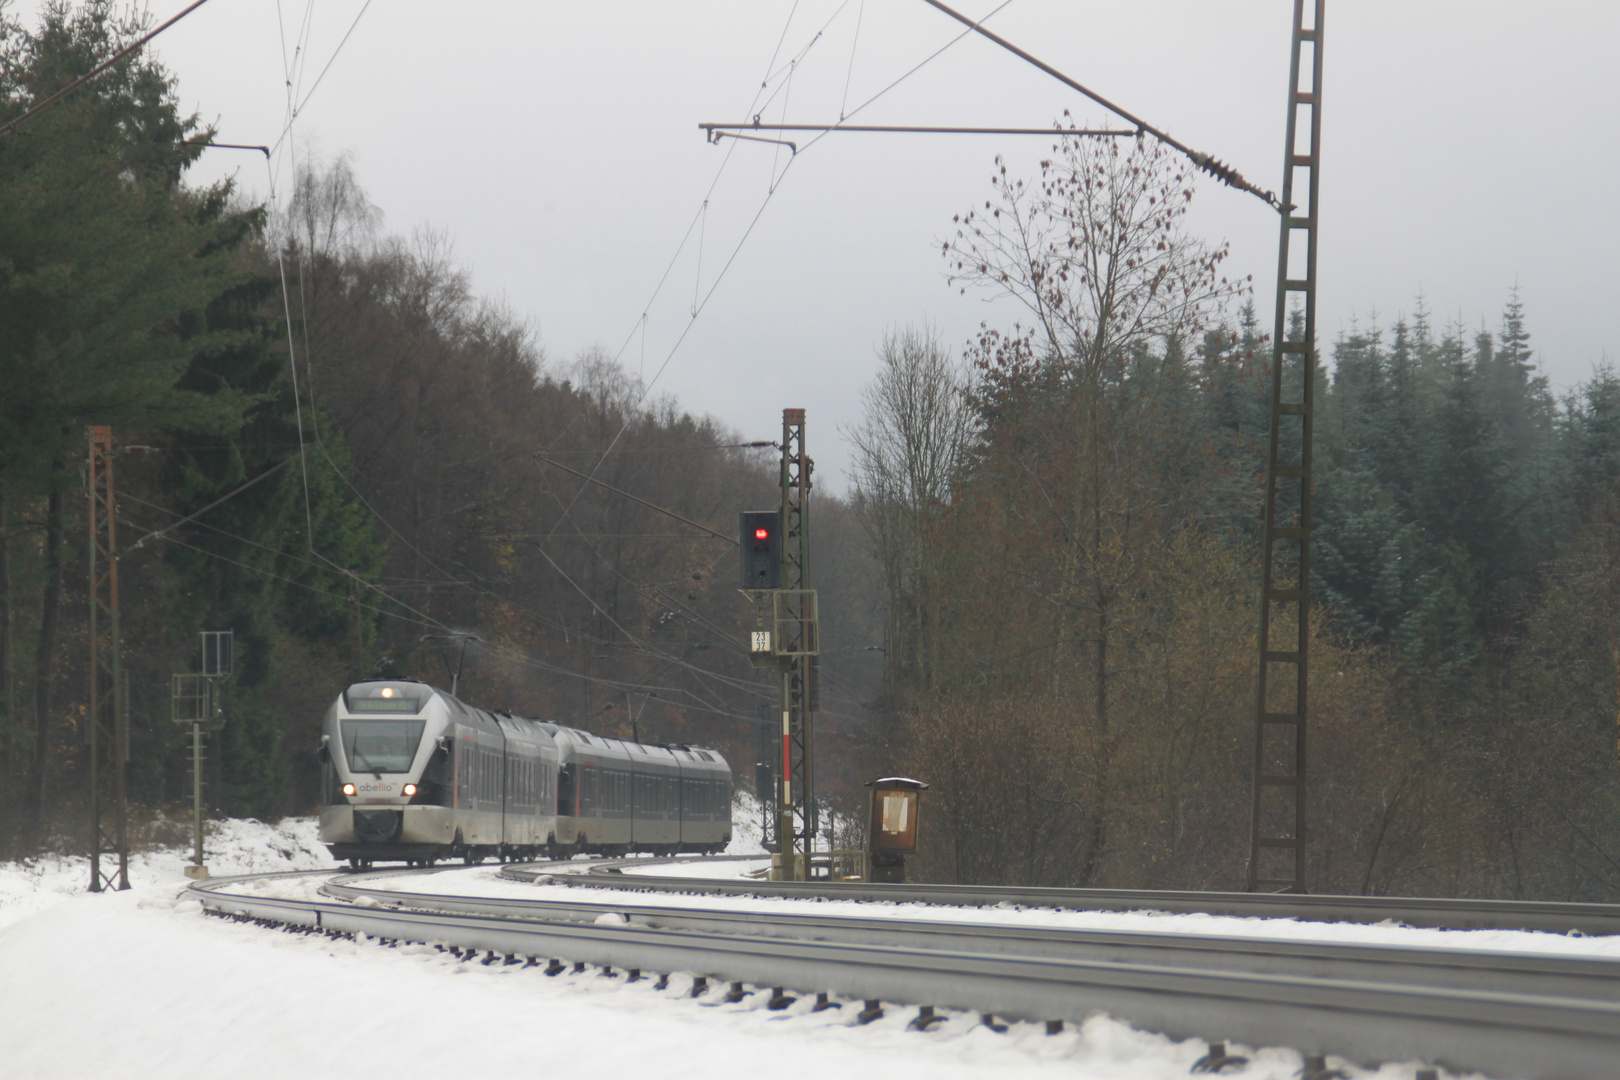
(95,665)
(785,831)
(196,793)
(120,718)
(106,711)
(1277,824)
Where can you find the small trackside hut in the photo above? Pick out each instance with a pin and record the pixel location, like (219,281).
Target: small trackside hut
(412,774)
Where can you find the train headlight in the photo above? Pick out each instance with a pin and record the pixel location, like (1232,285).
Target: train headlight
(410,789)
(348,789)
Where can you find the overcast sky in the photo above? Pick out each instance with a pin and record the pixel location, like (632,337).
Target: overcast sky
(1468,146)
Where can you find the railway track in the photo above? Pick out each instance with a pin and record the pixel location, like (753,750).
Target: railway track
(1595,920)
(1506,1014)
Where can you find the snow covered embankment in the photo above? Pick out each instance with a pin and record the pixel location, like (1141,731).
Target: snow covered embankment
(235,846)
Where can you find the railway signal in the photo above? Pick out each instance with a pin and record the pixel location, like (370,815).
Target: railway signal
(761,547)
(775,564)
(195,700)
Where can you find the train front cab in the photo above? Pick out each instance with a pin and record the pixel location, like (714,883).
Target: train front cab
(385,768)
(411,774)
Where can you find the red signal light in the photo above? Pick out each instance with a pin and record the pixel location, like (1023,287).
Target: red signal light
(761,534)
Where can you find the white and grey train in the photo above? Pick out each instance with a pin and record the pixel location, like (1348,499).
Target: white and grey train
(412,774)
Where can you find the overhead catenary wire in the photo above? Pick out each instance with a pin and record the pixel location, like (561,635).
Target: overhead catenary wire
(484,590)
(698,306)
(636,499)
(854,44)
(127,50)
(417,617)
(737,248)
(1208,163)
(635,644)
(420,617)
(266,474)
(732,130)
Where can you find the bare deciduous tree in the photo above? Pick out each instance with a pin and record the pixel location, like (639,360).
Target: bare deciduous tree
(909,447)
(1095,249)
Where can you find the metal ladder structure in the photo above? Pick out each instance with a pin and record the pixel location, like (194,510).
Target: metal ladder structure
(108,724)
(1277,834)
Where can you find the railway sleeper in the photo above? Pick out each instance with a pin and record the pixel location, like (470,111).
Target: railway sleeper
(1218,1060)
(1316,1068)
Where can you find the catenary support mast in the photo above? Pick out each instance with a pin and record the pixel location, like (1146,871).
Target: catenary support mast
(795,621)
(109,726)
(1277,833)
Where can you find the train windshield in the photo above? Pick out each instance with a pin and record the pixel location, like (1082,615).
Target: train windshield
(381,745)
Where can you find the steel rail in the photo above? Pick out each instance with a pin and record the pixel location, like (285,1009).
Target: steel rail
(1556,917)
(1532,1034)
(1558,975)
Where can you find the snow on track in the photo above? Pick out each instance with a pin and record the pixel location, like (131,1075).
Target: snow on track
(486,881)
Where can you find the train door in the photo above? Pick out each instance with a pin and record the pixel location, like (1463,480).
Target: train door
(568,790)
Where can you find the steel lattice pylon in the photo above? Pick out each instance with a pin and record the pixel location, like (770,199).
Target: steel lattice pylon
(109,727)
(1277,823)
(795,619)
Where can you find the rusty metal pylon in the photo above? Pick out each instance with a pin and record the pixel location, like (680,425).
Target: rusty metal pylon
(109,726)
(1277,822)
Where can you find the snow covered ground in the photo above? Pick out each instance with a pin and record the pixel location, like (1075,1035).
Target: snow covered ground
(133,985)
(230,847)
(141,984)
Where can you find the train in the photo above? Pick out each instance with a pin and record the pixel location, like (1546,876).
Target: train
(412,774)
